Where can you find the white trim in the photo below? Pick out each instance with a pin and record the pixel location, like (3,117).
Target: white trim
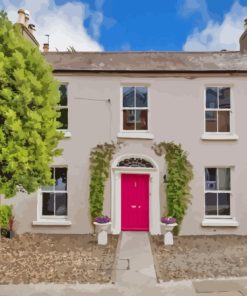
(219,137)
(154,200)
(43,219)
(122,131)
(66,133)
(44,222)
(220,222)
(217,191)
(137,135)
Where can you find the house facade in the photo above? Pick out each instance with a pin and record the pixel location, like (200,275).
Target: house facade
(137,99)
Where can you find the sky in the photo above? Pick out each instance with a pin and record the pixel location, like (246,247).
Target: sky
(135,25)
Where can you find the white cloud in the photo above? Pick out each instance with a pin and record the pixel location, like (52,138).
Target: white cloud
(188,7)
(64,23)
(218,36)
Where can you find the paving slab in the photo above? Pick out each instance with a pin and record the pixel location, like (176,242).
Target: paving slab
(220,287)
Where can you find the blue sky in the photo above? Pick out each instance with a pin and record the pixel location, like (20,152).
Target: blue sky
(117,25)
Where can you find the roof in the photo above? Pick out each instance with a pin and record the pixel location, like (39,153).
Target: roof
(223,61)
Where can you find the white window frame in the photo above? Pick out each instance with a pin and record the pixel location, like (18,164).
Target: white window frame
(220,135)
(40,200)
(218,191)
(135,133)
(218,109)
(66,132)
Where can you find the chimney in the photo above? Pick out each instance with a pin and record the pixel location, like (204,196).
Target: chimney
(21,13)
(31,28)
(243,39)
(26,18)
(45,47)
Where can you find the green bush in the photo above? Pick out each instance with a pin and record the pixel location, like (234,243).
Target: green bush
(179,175)
(100,159)
(5,214)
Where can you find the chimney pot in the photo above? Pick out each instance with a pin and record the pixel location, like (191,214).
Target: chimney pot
(45,47)
(21,13)
(31,28)
(243,39)
(245,24)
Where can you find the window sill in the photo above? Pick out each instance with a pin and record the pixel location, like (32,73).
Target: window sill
(66,133)
(52,223)
(220,137)
(220,222)
(135,135)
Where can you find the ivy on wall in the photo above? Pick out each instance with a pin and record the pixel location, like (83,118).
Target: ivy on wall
(179,175)
(100,159)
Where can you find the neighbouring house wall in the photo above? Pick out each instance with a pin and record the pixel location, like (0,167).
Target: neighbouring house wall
(176,114)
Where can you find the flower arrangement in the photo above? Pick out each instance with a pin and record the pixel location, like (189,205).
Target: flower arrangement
(102,219)
(168,220)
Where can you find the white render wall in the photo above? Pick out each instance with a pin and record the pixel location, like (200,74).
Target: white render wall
(176,114)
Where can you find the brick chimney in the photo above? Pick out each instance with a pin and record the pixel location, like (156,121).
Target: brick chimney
(45,47)
(243,39)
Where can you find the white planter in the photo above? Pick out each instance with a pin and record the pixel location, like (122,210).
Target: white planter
(102,229)
(168,235)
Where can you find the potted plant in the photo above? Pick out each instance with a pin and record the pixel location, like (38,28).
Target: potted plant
(102,224)
(168,223)
(11,232)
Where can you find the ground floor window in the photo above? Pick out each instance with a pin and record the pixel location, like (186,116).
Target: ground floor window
(55,197)
(217,192)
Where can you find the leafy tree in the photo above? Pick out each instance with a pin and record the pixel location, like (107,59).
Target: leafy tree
(28,117)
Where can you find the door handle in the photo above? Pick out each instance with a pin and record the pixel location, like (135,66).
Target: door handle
(133,206)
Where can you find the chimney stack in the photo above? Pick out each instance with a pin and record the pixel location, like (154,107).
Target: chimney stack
(45,47)
(26,18)
(243,39)
(21,13)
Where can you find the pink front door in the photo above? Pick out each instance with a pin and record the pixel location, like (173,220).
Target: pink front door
(135,202)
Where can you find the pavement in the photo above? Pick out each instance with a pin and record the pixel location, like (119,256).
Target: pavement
(133,274)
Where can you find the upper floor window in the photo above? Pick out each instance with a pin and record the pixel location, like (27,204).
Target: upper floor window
(54,198)
(63,107)
(217,192)
(218,110)
(135,108)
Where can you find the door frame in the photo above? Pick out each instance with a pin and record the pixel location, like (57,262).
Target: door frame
(154,199)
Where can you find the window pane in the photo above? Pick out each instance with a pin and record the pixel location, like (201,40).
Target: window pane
(211,97)
(141,97)
(48,188)
(128,119)
(63,118)
(224,121)
(224,179)
(211,203)
(224,97)
(211,121)
(63,95)
(128,96)
(224,203)
(61,178)
(141,119)
(210,179)
(48,204)
(61,204)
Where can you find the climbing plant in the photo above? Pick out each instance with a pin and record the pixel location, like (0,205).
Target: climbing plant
(179,174)
(100,159)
